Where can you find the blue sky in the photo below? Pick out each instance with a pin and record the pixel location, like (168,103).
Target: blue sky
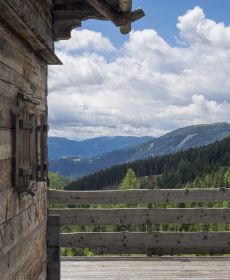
(171,71)
(162,16)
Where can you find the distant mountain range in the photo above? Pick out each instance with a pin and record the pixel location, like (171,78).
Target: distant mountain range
(180,139)
(60,147)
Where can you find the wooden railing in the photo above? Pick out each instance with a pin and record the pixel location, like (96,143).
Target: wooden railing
(139,196)
(152,242)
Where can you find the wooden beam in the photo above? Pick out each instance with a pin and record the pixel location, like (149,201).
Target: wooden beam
(121,18)
(105,10)
(133,16)
(53,248)
(160,240)
(21,17)
(149,228)
(136,15)
(160,251)
(139,196)
(126,216)
(125,5)
(70,14)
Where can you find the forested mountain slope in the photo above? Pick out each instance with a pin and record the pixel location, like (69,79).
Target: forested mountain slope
(177,168)
(60,147)
(180,139)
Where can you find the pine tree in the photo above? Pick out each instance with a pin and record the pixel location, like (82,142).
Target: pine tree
(130,181)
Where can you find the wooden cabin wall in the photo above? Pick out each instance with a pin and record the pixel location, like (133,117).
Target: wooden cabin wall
(23,218)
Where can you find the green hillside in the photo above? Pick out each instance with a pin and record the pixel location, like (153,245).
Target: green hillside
(175,169)
(180,139)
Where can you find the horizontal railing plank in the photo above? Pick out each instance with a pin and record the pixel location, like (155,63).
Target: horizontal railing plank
(160,251)
(147,240)
(139,196)
(125,216)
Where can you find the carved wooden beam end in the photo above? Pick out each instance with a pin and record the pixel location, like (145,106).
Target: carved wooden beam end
(125,6)
(134,16)
(122,17)
(68,14)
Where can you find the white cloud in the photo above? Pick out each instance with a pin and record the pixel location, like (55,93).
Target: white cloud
(195,28)
(85,40)
(145,88)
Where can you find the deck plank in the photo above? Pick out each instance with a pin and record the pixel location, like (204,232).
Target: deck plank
(167,268)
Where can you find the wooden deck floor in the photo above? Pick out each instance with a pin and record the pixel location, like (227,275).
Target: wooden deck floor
(156,268)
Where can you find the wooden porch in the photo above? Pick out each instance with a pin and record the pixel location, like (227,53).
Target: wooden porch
(142,268)
(173,245)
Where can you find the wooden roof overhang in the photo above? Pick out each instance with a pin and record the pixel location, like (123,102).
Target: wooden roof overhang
(40,29)
(69,14)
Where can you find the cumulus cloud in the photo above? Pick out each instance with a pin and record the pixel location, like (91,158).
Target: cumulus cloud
(195,28)
(85,40)
(146,87)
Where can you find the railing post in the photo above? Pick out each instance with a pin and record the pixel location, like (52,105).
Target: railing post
(53,248)
(149,229)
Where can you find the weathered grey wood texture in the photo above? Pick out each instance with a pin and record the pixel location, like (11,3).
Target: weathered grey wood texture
(25,47)
(149,228)
(26,260)
(206,241)
(33,22)
(154,243)
(159,251)
(118,268)
(70,14)
(125,216)
(138,196)
(53,248)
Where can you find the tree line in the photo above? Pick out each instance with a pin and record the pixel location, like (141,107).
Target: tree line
(175,169)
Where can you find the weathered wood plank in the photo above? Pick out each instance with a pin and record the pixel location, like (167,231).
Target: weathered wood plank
(6,144)
(149,228)
(7,90)
(30,23)
(23,61)
(18,227)
(108,13)
(33,268)
(136,268)
(7,111)
(8,105)
(53,248)
(12,82)
(23,218)
(12,203)
(27,259)
(138,196)
(119,18)
(160,251)
(53,232)
(6,174)
(77,216)
(147,240)
(118,251)
(35,19)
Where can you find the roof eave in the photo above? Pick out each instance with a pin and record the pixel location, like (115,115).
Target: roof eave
(70,14)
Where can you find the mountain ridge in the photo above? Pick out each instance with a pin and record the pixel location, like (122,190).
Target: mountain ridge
(179,139)
(61,147)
